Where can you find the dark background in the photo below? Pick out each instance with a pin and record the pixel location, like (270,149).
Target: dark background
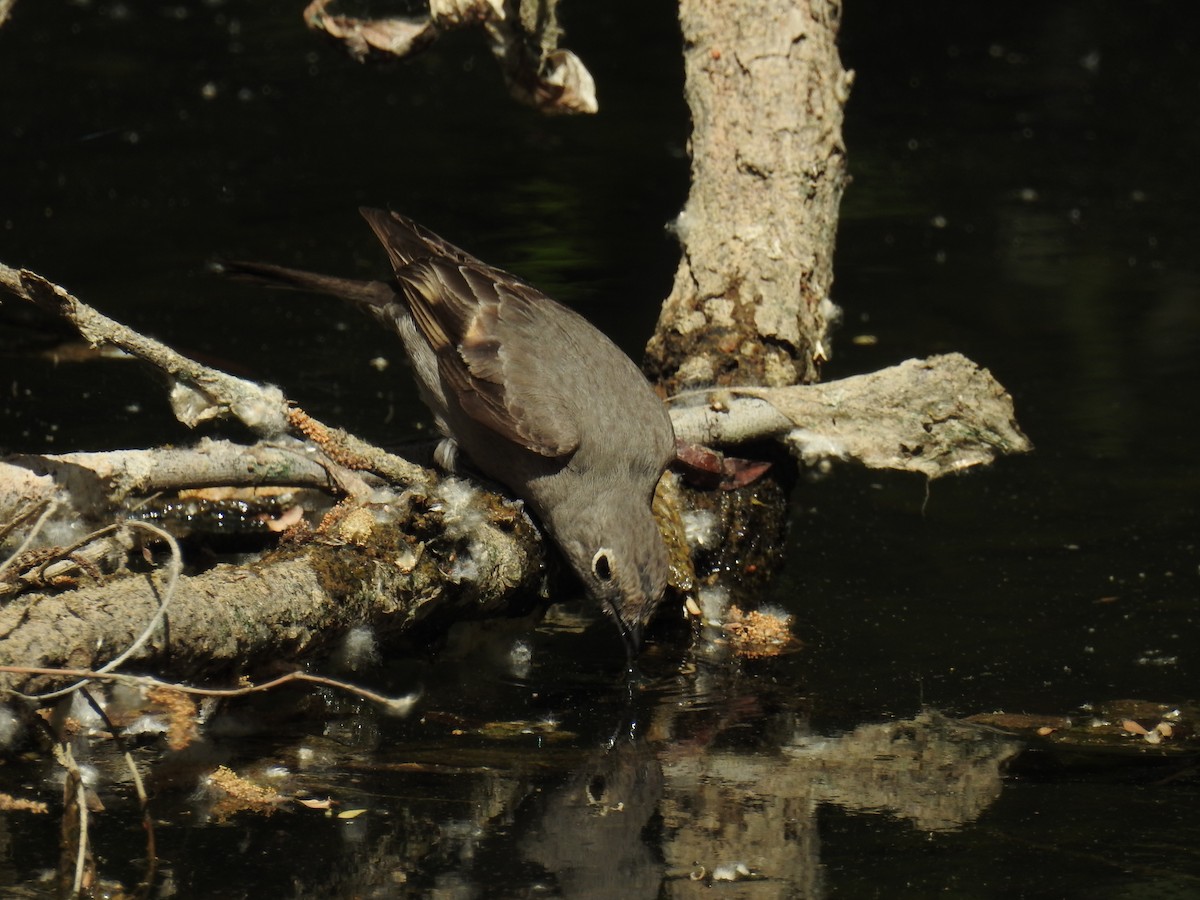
(1024,191)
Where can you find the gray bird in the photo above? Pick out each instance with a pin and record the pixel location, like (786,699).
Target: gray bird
(537,398)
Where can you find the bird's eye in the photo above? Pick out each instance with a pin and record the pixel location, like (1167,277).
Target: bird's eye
(602,565)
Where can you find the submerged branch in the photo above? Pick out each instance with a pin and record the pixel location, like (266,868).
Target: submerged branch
(393,705)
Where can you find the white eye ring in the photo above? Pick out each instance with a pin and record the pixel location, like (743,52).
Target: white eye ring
(602,564)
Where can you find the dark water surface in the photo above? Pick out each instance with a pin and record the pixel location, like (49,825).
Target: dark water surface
(1024,192)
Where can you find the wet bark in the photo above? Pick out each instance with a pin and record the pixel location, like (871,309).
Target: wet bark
(423,562)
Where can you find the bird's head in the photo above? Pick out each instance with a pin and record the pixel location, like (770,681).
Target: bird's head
(614,545)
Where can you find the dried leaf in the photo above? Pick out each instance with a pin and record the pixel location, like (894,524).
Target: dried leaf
(293,515)
(393,36)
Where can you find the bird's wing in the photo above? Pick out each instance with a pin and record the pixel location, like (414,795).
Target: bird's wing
(491,346)
(489,331)
(407,241)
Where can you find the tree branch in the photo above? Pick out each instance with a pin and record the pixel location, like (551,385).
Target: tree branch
(445,551)
(934,416)
(198,393)
(523,35)
(447,558)
(751,299)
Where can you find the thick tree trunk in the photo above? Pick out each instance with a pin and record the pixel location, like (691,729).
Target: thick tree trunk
(750,304)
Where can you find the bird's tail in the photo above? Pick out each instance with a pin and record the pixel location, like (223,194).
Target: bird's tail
(369,294)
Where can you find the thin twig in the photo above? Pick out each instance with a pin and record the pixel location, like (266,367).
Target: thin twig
(62,752)
(51,506)
(208,392)
(20,516)
(174,571)
(139,787)
(147,823)
(39,577)
(396,705)
(199,393)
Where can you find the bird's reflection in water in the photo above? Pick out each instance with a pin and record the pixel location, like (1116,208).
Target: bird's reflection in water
(714,777)
(590,833)
(703,772)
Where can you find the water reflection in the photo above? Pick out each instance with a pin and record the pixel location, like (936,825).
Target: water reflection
(708,775)
(711,777)
(586,834)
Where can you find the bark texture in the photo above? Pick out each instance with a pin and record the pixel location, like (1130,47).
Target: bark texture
(750,302)
(92,487)
(431,560)
(937,416)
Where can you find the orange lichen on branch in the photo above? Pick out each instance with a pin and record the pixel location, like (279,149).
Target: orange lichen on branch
(331,440)
(180,710)
(235,794)
(757,634)
(345,450)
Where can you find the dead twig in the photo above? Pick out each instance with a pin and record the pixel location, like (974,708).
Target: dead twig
(198,393)
(20,516)
(75,794)
(140,789)
(174,571)
(399,706)
(148,824)
(523,35)
(51,505)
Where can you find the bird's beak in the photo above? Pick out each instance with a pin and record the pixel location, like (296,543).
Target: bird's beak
(631,633)
(633,640)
